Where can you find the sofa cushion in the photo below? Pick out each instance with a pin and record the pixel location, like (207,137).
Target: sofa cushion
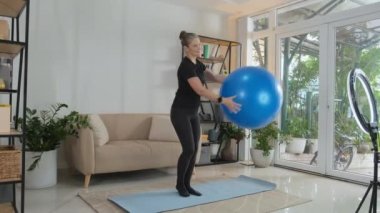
(127,126)
(129,155)
(162,129)
(100,131)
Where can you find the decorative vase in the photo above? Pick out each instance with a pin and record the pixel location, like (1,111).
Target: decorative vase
(214,147)
(206,51)
(45,173)
(230,150)
(2,84)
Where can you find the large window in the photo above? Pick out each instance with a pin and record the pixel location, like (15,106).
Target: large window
(260,23)
(260,52)
(258,45)
(312,8)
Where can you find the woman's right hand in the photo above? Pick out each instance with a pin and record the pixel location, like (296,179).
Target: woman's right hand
(231,104)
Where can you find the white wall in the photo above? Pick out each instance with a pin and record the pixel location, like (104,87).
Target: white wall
(110,56)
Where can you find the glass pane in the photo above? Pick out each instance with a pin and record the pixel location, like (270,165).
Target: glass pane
(357,45)
(310,9)
(299,117)
(260,23)
(260,52)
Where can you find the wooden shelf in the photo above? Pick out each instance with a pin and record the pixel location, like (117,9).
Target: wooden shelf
(11,48)
(209,40)
(13,180)
(8,91)
(16,10)
(211,60)
(11,8)
(12,133)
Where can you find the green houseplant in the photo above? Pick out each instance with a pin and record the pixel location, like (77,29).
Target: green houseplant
(265,137)
(229,131)
(46,129)
(264,140)
(297,129)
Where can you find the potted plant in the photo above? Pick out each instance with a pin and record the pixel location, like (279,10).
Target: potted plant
(44,131)
(312,141)
(263,152)
(283,140)
(298,130)
(362,142)
(230,136)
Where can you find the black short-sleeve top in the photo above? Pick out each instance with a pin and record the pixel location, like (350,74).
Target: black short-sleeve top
(186,97)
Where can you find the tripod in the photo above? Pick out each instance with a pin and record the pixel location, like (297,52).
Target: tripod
(370,127)
(374,183)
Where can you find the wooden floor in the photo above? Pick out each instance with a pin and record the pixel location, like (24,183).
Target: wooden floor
(6,208)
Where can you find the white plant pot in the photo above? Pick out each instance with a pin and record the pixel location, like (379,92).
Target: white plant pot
(45,174)
(296,146)
(364,148)
(259,159)
(214,150)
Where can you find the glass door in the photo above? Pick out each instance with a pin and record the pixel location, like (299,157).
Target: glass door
(299,63)
(319,133)
(356,44)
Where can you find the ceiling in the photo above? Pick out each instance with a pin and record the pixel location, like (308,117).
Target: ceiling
(231,7)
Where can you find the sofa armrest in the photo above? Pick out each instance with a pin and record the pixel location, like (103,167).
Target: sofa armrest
(82,151)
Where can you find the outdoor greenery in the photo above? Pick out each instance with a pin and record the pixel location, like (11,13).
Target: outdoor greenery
(299,113)
(349,58)
(297,128)
(301,66)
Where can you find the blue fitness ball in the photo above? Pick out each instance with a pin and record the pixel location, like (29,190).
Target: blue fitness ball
(259,94)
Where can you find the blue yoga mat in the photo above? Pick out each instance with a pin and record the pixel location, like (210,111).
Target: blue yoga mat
(165,200)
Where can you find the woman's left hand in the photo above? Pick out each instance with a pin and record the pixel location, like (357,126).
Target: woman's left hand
(231,104)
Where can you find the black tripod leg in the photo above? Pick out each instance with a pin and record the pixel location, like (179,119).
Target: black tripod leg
(371,203)
(374,199)
(365,195)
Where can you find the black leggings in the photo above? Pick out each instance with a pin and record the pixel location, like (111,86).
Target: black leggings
(187,126)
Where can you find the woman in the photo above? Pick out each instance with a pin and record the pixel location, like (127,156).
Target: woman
(184,111)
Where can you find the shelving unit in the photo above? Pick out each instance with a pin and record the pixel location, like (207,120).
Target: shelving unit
(220,54)
(214,161)
(219,61)
(12,10)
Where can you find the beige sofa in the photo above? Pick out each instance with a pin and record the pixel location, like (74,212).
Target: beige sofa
(134,142)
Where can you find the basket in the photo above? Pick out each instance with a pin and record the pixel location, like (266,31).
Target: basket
(10,163)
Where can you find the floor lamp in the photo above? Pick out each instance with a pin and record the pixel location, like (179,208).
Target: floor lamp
(370,127)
